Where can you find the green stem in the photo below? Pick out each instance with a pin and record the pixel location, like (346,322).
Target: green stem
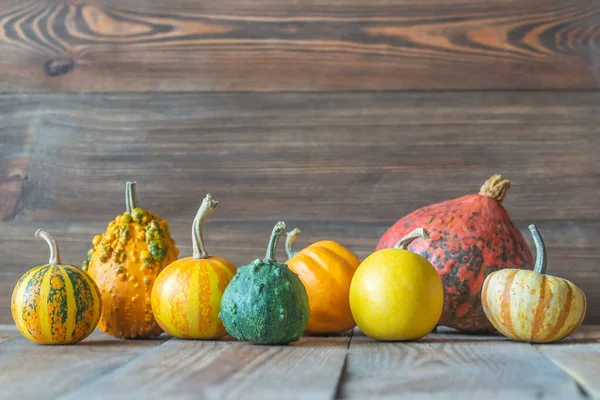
(540,260)
(206,208)
(416,234)
(130,197)
(272,247)
(290,240)
(54,251)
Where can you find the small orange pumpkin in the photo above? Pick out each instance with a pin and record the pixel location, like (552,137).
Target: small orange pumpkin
(326,269)
(186,297)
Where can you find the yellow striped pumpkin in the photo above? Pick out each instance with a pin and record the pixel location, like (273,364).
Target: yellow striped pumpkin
(530,306)
(55,303)
(186,297)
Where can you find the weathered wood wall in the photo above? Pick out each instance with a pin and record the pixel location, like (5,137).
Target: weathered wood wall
(234,45)
(298,111)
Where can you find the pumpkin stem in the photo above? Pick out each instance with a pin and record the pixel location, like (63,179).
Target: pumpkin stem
(495,187)
(290,240)
(206,208)
(416,234)
(54,251)
(540,259)
(272,247)
(130,197)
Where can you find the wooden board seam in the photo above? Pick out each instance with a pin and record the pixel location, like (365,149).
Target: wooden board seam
(342,375)
(109,371)
(302,92)
(579,382)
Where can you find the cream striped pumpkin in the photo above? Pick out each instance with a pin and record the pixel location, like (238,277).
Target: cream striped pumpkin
(186,297)
(530,306)
(55,303)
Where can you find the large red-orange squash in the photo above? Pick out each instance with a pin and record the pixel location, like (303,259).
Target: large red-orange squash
(470,237)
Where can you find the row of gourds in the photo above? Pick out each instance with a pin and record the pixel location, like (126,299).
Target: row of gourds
(461,263)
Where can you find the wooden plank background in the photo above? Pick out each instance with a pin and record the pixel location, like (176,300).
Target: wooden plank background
(265,45)
(374,108)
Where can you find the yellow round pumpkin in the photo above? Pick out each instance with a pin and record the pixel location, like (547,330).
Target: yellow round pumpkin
(55,303)
(530,306)
(186,298)
(396,294)
(124,262)
(326,269)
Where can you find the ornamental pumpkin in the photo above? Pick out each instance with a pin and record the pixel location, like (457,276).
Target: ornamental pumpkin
(265,302)
(124,262)
(55,303)
(326,269)
(186,297)
(530,306)
(396,294)
(471,237)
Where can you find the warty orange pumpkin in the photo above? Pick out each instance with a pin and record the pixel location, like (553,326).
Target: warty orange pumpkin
(55,303)
(326,269)
(124,262)
(186,298)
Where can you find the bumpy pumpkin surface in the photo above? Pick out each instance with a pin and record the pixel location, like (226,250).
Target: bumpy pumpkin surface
(531,306)
(186,298)
(124,262)
(471,237)
(326,269)
(265,302)
(55,303)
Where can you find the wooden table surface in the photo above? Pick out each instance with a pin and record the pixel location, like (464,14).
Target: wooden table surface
(442,365)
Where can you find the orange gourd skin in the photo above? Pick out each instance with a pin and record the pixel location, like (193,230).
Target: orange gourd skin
(326,269)
(186,298)
(124,263)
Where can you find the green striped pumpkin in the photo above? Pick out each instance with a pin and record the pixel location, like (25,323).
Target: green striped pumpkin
(56,303)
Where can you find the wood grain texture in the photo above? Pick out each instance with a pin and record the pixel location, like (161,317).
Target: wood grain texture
(466,368)
(188,369)
(579,356)
(446,364)
(580,361)
(282,45)
(364,157)
(339,166)
(8,332)
(30,371)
